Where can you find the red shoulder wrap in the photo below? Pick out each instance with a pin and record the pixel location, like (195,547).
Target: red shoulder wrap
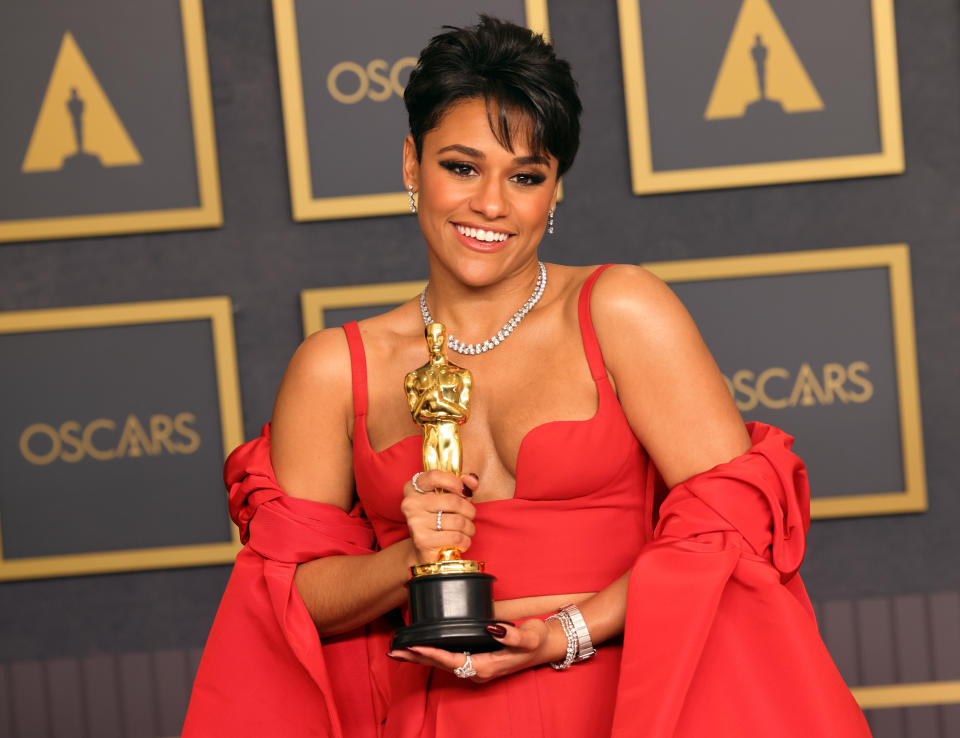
(264,670)
(720,637)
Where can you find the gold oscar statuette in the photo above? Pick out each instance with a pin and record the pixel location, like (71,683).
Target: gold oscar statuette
(451,599)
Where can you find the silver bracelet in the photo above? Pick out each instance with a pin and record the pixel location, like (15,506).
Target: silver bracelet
(570,631)
(585,647)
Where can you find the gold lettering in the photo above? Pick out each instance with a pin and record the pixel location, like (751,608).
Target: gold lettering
(740,383)
(765,376)
(30,432)
(180,422)
(332,77)
(834,375)
(88,444)
(808,386)
(376,73)
(134,441)
(406,62)
(862,382)
(74,441)
(161,426)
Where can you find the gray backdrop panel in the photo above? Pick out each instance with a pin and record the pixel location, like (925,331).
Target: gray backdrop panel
(816,318)
(355,149)
(135,49)
(684,44)
(122,503)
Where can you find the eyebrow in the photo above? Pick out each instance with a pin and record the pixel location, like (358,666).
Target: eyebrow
(477,154)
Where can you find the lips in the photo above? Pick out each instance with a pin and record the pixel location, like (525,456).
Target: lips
(481,239)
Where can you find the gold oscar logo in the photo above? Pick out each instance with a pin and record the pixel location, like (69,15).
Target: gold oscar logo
(77,127)
(776,388)
(761,75)
(42,444)
(377,81)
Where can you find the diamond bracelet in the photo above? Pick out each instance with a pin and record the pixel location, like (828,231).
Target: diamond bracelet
(573,643)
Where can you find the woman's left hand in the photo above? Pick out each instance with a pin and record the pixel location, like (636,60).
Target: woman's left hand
(530,644)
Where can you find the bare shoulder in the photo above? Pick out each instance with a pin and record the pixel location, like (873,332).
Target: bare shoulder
(666,379)
(323,358)
(632,293)
(310,438)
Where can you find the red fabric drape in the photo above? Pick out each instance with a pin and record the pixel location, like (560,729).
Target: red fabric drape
(264,671)
(720,637)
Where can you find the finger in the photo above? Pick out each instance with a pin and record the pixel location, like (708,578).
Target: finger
(405,654)
(424,508)
(512,637)
(451,504)
(448,660)
(442,480)
(470,482)
(448,539)
(452,523)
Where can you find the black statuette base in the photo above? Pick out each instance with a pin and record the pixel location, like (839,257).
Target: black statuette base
(450,611)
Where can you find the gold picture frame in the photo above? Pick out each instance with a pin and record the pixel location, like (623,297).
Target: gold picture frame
(896,259)
(913,694)
(209,212)
(304,205)
(218,311)
(314,302)
(890,159)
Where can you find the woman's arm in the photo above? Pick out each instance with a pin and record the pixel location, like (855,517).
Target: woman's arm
(312,457)
(668,384)
(671,391)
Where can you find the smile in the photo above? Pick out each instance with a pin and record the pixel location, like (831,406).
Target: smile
(481,234)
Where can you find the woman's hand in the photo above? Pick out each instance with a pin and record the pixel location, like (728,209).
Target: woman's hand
(456,523)
(532,643)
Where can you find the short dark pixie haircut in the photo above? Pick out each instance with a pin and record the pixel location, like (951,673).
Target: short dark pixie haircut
(527,89)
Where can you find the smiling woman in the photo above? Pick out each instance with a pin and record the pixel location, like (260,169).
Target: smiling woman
(623,613)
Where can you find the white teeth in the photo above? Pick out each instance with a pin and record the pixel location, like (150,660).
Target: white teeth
(482,235)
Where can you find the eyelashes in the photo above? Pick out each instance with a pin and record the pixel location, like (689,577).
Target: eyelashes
(465,169)
(459,168)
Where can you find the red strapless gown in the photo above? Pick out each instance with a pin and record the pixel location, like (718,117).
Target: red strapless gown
(720,638)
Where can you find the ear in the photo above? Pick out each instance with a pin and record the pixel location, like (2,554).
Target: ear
(411,166)
(556,194)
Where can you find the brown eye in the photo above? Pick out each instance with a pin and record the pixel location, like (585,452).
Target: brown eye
(461,169)
(529,179)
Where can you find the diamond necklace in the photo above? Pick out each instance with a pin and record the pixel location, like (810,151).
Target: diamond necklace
(508,327)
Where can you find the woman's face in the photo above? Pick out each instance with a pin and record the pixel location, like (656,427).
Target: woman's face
(482,208)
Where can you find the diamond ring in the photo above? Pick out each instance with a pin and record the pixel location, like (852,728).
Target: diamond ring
(416,486)
(466,671)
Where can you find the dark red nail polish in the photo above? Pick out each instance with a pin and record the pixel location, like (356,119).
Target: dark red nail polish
(497,631)
(467,492)
(476,478)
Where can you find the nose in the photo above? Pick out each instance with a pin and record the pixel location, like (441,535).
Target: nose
(490,199)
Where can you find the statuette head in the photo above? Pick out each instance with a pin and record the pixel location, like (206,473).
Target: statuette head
(436,335)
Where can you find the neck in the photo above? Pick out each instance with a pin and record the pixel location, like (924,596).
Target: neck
(474,312)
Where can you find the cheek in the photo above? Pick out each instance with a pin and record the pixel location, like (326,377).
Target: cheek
(439,196)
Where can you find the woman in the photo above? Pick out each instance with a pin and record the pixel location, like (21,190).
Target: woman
(597,388)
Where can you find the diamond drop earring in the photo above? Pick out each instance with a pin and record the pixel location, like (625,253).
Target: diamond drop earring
(413,204)
(550,221)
